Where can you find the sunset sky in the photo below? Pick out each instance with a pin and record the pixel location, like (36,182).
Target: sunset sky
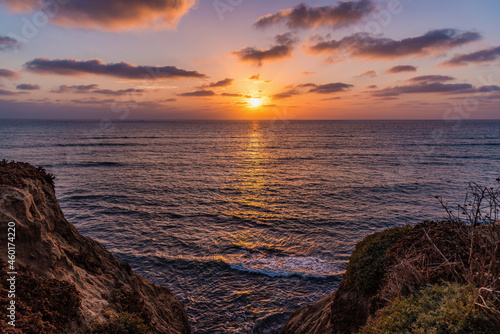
(242,59)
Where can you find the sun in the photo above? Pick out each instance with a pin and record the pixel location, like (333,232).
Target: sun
(255,102)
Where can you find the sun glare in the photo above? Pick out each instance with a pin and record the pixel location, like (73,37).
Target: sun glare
(255,102)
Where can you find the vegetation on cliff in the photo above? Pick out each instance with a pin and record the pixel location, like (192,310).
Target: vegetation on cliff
(434,277)
(448,308)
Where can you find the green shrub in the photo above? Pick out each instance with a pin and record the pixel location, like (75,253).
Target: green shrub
(436,309)
(366,266)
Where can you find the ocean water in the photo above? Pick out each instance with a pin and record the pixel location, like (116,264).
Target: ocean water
(247,221)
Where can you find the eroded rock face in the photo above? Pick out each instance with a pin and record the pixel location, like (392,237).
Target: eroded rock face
(51,248)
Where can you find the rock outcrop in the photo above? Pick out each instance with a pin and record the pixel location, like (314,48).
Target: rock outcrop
(392,271)
(67,282)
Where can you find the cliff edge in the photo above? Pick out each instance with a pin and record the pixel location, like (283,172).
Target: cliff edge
(65,282)
(434,277)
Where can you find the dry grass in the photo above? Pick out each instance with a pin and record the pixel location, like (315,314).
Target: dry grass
(464,249)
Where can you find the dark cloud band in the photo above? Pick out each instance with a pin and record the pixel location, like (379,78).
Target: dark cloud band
(109,15)
(302,16)
(28,87)
(479,57)
(366,46)
(402,68)
(283,49)
(74,67)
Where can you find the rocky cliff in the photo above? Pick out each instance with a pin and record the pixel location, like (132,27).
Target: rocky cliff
(435,277)
(65,282)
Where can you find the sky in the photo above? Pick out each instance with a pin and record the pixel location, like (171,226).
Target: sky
(242,59)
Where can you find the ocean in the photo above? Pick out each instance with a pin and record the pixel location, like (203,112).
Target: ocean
(246,221)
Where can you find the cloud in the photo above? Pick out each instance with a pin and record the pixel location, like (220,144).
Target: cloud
(307,73)
(28,87)
(426,87)
(431,78)
(478,57)
(8,43)
(75,88)
(328,88)
(222,83)
(283,49)
(367,74)
(119,92)
(110,15)
(254,77)
(362,45)
(401,68)
(73,67)
(286,94)
(93,101)
(302,16)
(94,89)
(4,92)
(169,100)
(477,90)
(198,93)
(5,73)
(232,94)
(372,87)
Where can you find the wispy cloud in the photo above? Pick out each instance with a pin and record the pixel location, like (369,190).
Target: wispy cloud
(94,89)
(401,68)
(93,101)
(4,92)
(75,88)
(330,88)
(73,67)
(362,45)
(28,87)
(222,83)
(111,15)
(5,73)
(303,16)
(426,87)
(119,92)
(199,93)
(8,43)
(431,78)
(232,94)
(367,74)
(286,94)
(478,57)
(283,49)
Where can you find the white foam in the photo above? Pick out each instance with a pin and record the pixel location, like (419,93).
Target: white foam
(282,266)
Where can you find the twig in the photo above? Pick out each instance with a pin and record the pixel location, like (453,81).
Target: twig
(440,253)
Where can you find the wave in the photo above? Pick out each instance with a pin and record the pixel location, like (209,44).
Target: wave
(272,266)
(99,144)
(282,266)
(94,164)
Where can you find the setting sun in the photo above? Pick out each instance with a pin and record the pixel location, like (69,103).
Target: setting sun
(255,102)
